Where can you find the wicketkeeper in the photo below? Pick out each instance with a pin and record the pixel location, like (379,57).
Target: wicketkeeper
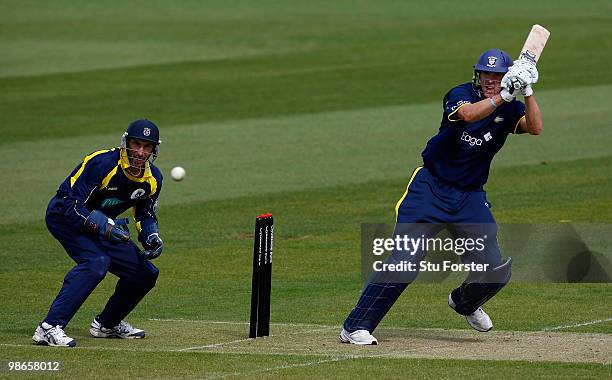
(82,217)
(448,189)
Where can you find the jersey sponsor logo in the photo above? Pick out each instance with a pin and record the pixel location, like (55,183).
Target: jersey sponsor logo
(470,140)
(137,194)
(491,61)
(111,188)
(498,119)
(488,136)
(110,202)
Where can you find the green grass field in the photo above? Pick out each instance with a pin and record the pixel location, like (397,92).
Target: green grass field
(317,112)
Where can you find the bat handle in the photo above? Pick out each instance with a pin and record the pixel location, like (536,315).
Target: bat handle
(528,56)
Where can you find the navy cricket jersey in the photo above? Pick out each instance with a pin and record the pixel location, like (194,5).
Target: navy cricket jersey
(101,183)
(461,152)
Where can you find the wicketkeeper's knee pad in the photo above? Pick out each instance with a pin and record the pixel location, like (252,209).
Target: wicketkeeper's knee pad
(471,295)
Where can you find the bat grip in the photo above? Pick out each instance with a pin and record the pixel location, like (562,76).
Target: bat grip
(528,56)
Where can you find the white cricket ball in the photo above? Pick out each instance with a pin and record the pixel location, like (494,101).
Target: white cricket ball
(177,173)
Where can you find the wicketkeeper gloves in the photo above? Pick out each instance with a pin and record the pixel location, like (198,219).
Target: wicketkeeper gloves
(115,231)
(151,242)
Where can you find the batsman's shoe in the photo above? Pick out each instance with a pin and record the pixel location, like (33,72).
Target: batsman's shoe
(478,320)
(123,330)
(362,337)
(48,335)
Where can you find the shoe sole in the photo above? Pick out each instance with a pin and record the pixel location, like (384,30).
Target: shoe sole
(476,328)
(348,340)
(358,344)
(99,334)
(42,342)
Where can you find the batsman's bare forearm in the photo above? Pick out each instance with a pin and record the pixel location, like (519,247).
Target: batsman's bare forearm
(533,117)
(479,110)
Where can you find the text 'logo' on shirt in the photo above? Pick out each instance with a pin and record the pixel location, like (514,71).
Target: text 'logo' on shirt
(471,140)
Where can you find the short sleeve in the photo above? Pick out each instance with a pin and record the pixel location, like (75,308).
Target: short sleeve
(454,100)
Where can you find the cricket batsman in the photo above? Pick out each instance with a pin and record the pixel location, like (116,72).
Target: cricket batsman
(448,189)
(82,216)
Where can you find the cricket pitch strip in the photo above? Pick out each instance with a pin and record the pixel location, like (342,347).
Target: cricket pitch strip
(319,340)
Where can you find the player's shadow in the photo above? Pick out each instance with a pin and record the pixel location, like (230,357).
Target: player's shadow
(570,260)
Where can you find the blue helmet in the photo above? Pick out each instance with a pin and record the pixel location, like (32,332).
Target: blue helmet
(144,130)
(493,61)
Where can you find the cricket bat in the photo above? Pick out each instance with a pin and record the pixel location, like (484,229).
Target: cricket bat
(534,44)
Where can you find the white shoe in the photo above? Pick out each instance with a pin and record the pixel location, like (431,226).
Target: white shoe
(478,320)
(357,337)
(55,336)
(123,330)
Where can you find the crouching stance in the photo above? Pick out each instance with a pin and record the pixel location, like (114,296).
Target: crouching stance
(82,216)
(448,189)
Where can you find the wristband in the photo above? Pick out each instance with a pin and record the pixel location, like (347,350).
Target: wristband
(493,103)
